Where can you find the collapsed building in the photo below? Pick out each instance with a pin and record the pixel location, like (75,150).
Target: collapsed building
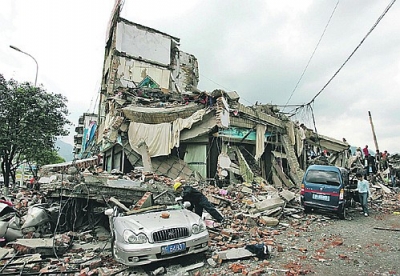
(153,126)
(153,116)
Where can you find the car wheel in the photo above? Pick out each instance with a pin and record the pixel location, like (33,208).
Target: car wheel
(307,209)
(343,214)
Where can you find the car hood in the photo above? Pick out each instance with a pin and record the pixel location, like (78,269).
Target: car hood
(151,221)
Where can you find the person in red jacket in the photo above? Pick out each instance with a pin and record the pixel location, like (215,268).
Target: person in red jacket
(366,152)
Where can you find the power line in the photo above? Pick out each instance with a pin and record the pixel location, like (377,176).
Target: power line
(340,68)
(214,82)
(358,46)
(312,55)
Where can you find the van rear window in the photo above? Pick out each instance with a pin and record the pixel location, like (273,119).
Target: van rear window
(323,177)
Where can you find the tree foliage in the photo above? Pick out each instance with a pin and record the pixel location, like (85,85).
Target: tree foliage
(30,120)
(48,157)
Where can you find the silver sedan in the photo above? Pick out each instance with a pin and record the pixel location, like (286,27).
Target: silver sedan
(158,234)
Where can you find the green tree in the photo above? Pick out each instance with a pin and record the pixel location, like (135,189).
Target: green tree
(48,157)
(30,120)
(43,158)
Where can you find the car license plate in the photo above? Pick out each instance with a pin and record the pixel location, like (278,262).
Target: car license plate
(173,248)
(320,197)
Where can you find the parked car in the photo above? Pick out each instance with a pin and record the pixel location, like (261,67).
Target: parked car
(156,233)
(327,188)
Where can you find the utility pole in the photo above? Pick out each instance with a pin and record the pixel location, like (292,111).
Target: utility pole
(373,131)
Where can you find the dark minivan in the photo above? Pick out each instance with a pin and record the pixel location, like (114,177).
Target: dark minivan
(325,188)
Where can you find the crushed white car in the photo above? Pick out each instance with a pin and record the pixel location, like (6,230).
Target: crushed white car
(156,233)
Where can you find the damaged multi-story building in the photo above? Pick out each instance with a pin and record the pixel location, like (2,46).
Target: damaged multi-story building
(153,116)
(85,134)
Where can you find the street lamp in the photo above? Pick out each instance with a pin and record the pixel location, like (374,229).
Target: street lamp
(37,66)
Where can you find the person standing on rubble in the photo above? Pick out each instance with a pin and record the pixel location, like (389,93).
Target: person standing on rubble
(370,169)
(359,154)
(392,173)
(384,160)
(366,152)
(197,200)
(363,193)
(378,156)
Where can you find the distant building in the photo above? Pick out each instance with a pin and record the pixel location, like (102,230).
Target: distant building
(84,138)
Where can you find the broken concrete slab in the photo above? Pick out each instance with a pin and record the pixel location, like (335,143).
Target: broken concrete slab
(384,188)
(194,266)
(27,260)
(234,254)
(287,195)
(270,203)
(247,190)
(277,182)
(41,246)
(124,183)
(283,179)
(265,213)
(3,252)
(269,221)
(184,270)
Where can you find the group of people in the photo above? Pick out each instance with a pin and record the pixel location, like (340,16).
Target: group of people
(380,161)
(374,164)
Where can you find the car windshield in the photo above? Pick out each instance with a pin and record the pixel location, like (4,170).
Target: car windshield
(323,177)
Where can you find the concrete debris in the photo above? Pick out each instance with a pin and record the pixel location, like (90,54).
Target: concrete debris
(384,188)
(192,267)
(158,271)
(287,195)
(268,204)
(234,254)
(211,262)
(253,214)
(269,221)
(45,247)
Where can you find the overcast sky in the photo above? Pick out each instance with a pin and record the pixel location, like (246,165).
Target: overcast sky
(265,50)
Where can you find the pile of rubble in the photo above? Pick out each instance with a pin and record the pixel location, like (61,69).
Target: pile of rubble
(62,228)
